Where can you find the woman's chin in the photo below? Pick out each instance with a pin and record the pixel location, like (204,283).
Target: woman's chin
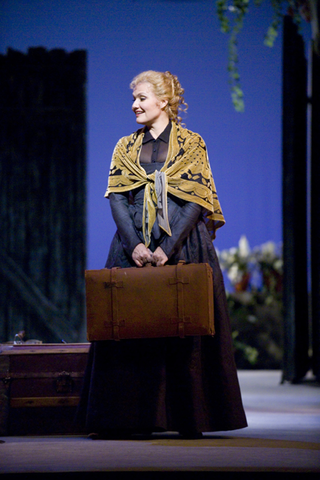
(139,119)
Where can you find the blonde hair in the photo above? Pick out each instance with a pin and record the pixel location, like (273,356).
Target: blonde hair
(166,87)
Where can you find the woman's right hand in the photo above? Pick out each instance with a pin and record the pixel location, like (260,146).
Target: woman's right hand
(141,255)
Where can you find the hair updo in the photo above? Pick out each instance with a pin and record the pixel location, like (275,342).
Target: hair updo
(166,87)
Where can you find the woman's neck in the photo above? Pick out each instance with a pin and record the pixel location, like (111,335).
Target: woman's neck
(157,128)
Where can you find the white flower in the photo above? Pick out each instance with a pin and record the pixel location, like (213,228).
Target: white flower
(225,255)
(234,273)
(268,250)
(237,261)
(278,264)
(244,248)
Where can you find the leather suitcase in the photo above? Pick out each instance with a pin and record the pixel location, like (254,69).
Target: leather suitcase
(149,302)
(40,387)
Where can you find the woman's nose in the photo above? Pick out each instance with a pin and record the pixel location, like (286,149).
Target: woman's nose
(135,104)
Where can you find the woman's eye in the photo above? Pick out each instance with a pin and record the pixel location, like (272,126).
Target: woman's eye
(138,98)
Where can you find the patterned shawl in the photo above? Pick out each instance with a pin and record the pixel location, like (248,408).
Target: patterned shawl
(186,174)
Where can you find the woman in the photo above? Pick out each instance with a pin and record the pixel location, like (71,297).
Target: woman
(166,209)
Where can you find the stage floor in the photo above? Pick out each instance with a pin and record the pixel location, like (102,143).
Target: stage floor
(283,436)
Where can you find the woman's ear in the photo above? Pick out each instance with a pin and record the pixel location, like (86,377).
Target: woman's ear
(163,103)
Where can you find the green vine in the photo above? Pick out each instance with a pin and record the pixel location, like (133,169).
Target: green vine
(231,16)
(239,9)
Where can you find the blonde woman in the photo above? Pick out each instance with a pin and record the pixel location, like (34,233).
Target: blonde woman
(165,206)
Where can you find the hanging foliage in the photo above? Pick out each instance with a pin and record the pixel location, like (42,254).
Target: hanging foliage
(231,16)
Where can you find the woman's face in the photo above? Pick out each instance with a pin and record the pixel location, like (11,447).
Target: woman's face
(147,107)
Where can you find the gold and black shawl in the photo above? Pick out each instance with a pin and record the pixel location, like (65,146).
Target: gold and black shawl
(186,174)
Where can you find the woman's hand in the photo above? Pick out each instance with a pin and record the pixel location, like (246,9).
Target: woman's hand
(159,258)
(141,255)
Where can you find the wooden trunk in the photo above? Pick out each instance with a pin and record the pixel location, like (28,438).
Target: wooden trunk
(40,388)
(150,302)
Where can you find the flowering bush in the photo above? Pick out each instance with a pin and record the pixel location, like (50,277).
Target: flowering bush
(254,294)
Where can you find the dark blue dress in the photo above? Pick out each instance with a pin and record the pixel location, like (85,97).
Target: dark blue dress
(167,384)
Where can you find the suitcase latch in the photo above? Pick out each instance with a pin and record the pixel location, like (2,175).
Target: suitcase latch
(64,383)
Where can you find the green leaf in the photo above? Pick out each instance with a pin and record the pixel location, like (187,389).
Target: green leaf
(271,35)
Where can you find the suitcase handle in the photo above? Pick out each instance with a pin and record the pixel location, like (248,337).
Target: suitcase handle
(149,264)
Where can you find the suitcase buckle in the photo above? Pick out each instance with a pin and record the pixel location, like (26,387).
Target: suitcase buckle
(64,383)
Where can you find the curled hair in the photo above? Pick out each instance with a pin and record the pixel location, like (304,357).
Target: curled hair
(166,87)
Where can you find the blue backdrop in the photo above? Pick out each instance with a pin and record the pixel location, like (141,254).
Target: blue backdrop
(125,37)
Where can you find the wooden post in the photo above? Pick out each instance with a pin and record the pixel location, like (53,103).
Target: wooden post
(294,205)
(315,211)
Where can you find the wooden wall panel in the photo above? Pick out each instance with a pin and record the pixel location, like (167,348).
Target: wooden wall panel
(43,193)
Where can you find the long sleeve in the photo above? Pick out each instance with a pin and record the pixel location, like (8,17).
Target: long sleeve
(181,227)
(120,211)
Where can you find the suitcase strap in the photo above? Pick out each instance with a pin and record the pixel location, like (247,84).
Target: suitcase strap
(180,280)
(114,296)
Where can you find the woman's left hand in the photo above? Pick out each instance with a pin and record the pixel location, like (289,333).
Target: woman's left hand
(159,258)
